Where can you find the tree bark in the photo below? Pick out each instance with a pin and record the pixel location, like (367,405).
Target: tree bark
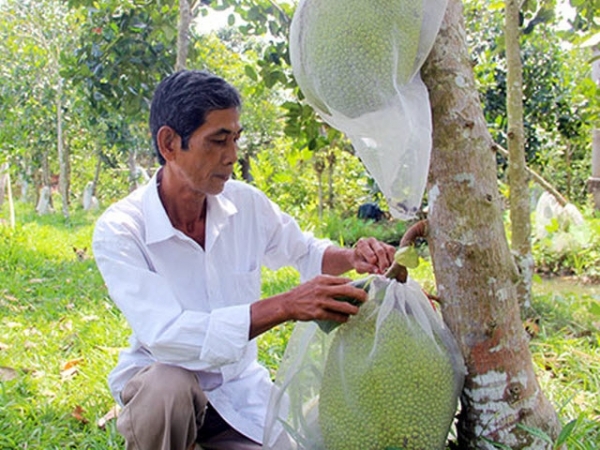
(475,274)
(3,178)
(520,213)
(594,181)
(183,34)
(562,201)
(63,154)
(44,200)
(319,165)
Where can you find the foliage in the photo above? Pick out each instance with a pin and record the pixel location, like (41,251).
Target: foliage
(35,39)
(348,230)
(566,352)
(288,176)
(270,21)
(557,112)
(126,48)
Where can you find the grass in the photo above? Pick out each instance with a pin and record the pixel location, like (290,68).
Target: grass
(60,335)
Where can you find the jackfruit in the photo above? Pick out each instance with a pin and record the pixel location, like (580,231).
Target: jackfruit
(357,63)
(386,386)
(351,55)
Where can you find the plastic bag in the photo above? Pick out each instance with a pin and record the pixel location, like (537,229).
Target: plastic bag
(548,209)
(357,63)
(351,388)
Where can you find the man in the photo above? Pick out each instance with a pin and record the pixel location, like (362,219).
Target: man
(182,256)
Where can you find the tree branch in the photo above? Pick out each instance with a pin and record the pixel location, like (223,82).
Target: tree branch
(536,177)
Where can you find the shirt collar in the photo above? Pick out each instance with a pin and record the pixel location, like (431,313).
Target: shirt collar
(220,208)
(158,224)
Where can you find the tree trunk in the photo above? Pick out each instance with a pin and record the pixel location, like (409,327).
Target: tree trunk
(44,200)
(594,181)
(183,34)
(520,213)
(97,170)
(331,159)
(11,203)
(63,154)
(245,166)
(3,178)
(475,274)
(319,165)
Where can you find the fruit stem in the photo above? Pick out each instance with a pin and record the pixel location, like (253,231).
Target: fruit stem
(419,229)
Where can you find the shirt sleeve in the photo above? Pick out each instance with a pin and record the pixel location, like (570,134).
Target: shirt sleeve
(171,334)
(289,245)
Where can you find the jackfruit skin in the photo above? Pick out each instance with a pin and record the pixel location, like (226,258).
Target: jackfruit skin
(351,55)
(398,392)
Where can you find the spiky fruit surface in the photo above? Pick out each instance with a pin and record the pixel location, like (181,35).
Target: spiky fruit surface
(351,55)
(396,390)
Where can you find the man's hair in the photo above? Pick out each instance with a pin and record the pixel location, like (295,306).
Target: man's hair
(183,100)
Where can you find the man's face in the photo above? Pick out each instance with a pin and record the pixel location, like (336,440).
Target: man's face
(212,151)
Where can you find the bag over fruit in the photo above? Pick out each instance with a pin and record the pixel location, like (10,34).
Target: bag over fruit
(388,378)
(357,63)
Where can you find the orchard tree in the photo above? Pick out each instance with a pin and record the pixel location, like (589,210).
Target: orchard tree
(586,27)
(520,214)
(125,49)
(555,111)
(43,33)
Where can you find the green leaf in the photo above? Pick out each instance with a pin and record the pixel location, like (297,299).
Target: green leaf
(250,72)
(407,257)
(595,308)
(566,432)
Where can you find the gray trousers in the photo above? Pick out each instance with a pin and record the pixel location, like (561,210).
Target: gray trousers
(165,409)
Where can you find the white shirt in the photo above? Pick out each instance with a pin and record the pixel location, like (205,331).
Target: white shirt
(190,306)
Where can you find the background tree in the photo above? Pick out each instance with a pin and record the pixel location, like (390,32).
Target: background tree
(43,32)
(520,211)
(556,110)
(594,181)
(585,27)
(125,50)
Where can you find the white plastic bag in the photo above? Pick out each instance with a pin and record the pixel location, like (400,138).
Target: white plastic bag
(339,390)
(357,63)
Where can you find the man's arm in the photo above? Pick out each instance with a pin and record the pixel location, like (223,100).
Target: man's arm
(313,300)
(316,299)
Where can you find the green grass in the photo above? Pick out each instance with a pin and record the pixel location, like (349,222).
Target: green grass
(55,312)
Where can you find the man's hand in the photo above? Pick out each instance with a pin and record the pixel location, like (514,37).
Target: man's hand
(313,300)
(372,256)
(368,256)
(316,299)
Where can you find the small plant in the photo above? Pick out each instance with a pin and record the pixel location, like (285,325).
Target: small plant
(348,230)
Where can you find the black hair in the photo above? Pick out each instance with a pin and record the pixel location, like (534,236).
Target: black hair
(182,101)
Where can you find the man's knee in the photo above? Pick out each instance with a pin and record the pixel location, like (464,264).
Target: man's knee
(165,384)
(163,404)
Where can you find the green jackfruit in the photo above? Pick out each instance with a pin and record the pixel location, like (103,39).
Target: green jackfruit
(394,391)
(351,55)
